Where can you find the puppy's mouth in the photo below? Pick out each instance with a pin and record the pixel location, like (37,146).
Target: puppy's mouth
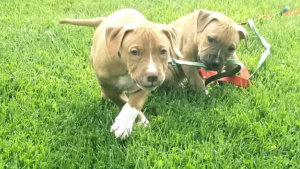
(145,87)
(148,87)
(210,66)
(214,68)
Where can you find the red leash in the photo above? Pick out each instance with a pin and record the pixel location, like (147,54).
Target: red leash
(241,81)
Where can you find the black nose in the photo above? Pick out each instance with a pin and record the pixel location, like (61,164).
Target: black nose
(152,78)
(215,63)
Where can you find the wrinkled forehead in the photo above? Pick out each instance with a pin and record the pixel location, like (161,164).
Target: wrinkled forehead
(224,32)
(145,35)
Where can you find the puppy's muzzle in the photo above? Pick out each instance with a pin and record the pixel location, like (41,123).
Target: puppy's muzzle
(215,63)
(212,61)
(149,80)
(152,78)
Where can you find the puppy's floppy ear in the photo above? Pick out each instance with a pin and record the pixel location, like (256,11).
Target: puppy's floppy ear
(242,33)
(114,36)
(172,34)
(204,18)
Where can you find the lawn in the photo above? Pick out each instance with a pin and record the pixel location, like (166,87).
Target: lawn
(51,114)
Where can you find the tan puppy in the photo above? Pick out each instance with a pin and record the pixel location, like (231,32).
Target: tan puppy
(205,36)
(129,54)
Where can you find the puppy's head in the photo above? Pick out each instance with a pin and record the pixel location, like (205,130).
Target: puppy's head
(144,49)
(217,38)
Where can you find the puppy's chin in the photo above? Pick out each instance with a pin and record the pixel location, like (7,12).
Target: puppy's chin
(151,88)
(143,87)
(207,64)
(148,86)
(215,69)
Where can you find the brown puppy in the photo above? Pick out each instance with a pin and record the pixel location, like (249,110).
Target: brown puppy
(129,54)
(205,36)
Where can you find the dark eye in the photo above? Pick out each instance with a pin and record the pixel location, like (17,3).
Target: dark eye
(211,39)
(231,49)
(163,51)
(134,52)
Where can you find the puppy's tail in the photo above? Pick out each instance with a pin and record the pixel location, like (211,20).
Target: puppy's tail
(83,22)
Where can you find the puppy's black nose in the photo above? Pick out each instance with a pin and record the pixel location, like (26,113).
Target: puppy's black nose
(152,78)
(216,64)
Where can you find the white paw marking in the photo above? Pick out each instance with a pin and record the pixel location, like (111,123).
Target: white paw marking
(144,121)
(122,126)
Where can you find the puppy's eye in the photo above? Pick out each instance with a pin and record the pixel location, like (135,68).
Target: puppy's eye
(211,39)
(163,51)
(231,49)
(134,52)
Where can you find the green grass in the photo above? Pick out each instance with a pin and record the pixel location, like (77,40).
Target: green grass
(51,114)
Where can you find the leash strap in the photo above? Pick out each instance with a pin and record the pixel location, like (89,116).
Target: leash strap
(176,62)
(265,44)
(227,73)
(214,77)
(119,54)
(286,11)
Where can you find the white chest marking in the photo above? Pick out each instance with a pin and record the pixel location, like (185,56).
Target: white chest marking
(125,83)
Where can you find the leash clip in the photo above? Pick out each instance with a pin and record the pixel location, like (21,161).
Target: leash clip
(172,61)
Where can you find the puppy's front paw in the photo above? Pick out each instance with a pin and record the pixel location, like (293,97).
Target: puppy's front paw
(124,121)
(143,120)
(197,85)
